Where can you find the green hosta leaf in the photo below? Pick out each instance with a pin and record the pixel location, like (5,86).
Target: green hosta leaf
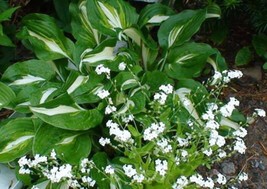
(109,16)
(6,95)
(29,72)
(260,44)
(4,39)
(62,10)
(188,60)
(46,39)
(6,15)
(213,10)
(180,28)
(126,80)
(154,14)
(16,139)
(82,29)
(70,146)
(153,81)
(138,100)
(243,56)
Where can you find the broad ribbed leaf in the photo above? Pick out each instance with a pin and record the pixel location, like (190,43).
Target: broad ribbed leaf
(16,138)
(188,60)
(154,14)
(69,145)
(29,72)
(82,29)
(6,95)
(109,16)
(46,39)
(243,56)
(180,28)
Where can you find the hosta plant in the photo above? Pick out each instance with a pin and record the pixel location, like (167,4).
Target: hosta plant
(116,103)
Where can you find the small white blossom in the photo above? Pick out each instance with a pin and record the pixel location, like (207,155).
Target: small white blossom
(101,69)
(212,124)
(221,153)
(138,178)
(161,167)
(57,174)
(104,141)
(167,89)
(160,97)
(198,179)
(164,145)
(243,177)
(122,66)
(38,159)
(240,146)
(154,131)
(109,170)
(53,154)
(129,170)
(128,118)
(109,109)
(241,132)
(180,183)
(216,139)
(221,179)
(88,181)
(209,183)
(208,152)
(182,141)
(209,115)
(102,93)
(260,112)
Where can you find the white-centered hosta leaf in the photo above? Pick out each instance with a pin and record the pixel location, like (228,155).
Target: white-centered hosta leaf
(157,19)
(78,82)
(28,103)
(27,80)
(15,144)
(129,83)
(133,34)
(111,15)
(105,54)
(50,43)
(187,103)
(16,138)
(46,94)
(227,122)
(174,34)
(181,60)
(62,109)
(67,140)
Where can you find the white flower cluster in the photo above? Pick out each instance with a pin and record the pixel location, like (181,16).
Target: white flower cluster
(109,109)
(226,76)
(109,170)
(101,69)
(164,145)
(260,112)
(59,173)
(123,136)
(132,173)
(161,96)
(102,93)
(180,183)
(227,109)
(161,167)
(26,164)
(104,141)
(154,131)
(122,66)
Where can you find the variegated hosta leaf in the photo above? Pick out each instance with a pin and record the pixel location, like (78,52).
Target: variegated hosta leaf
(63,113)
(16,138)
(82,29)
(154,14)
(46,39)
(29,72)
(7,95)
(70,146)
(188,60)
(126,80)
(180,28)
(109,16)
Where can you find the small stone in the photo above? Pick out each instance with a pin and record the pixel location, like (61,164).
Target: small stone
(228,168)
(261,166)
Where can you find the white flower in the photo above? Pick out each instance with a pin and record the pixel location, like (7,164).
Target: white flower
(104,141)
(198,179)
(160,97)
(102,93)
(128,118)
(161,167)
(122,66)
(217,76)
(221,179)
(208,152)
(232,74)
(260,112)
(182,141)
(180,183)
(167,89)
(57,174)
(233,101)
(241,132)
(138,178)
(211,124)
(109,109)
(129,170)
(209,183)
(88,180)
(216,139)
(164,145)
(209,115)
(53,154)
(154,131)
(101,69)
(221,153)
(243,177)
(240,146)
(109,170)
(23,171)
(38,159)
(23,161)
(184,153)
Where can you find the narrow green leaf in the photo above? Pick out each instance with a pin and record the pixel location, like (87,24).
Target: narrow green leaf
(6,15)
